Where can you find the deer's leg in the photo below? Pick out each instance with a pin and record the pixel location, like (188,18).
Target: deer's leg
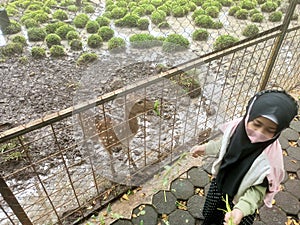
(111,161)
(130,159)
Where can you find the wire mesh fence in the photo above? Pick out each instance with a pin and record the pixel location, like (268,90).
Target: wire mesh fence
(60,168)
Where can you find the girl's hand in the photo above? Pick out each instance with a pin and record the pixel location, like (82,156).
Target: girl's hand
(236,215)
(198,150)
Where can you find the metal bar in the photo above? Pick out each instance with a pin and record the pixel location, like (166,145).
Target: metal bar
(278,44)
(13,203)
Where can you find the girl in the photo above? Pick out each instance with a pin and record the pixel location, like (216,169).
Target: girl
(249,167)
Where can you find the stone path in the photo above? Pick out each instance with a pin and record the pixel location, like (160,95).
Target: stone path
(182,203)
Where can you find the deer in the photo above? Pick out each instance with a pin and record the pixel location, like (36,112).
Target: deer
(114,136)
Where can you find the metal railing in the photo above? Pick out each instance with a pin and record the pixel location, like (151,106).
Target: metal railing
(73,178)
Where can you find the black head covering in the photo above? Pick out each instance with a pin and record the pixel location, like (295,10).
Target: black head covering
(241,153)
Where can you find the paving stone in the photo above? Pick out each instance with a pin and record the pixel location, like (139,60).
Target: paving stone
(287,202)
(286,177)
(181,217)
(284,142)
(122,222)
(182,188)
(298,173)
(294,152)
(295,125)
(144,214)
(272,216)
(291,164)
(198,177)
(293,187)
(290,134)
(164,202)
(195,206)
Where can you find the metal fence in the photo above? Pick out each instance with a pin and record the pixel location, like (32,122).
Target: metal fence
(81,172)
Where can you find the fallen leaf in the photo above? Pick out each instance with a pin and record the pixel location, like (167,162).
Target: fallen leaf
(125,197)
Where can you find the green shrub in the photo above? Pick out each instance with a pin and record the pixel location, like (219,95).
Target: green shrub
(94,41)
(178,11)
(143,23)
(248,4)
(192,6)
(19,39)
(198,2)
(36,34)
(118,12)
(226,3)
(116,44)
(63,30)
(121,4)
(149,8)
(253,11)
(204,21)
(232,11)
(71,35)
(156,3)
(257,18)
(11,49)
(76,45)
(86,58)
(275,16)
(106,33)
(103,21)
(138,11)
(197,13)
(224,41)
(41,16)
(250,30)
(260,2)
(89,8)
(166,9)
(269,6)
(38,52)
(51,27)
(92,27)
(158,16)
(142,40)
(13,28)
(164,25)
(217,25)
(30,23)
(11,10)
(200,35)
(212,11)
(175,42)
(57,51)
(60,15)
(207,4)
(72,8)
(130,20)
(52,39)
(81,20)
(242,14)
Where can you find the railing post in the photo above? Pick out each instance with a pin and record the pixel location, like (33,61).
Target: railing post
(277,45)
(13,203)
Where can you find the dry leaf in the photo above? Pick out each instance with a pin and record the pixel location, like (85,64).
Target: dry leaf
(273,202)
(125,197)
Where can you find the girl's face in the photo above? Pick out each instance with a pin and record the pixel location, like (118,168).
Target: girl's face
(264,126)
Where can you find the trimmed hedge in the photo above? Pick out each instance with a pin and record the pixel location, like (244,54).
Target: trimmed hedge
(175,42)
(116,44)
(224,41)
